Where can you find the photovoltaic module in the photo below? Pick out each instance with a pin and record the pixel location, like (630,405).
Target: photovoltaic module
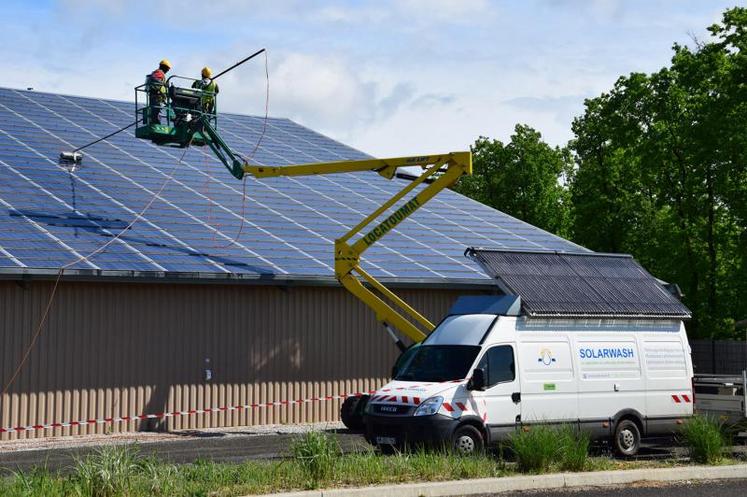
(50,216)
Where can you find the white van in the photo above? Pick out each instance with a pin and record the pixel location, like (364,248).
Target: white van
(486,371)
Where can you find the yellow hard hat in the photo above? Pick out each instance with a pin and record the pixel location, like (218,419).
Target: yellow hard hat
(165,62)
(207,72)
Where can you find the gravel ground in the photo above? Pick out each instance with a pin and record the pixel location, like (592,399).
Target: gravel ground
(152,437)
(219,445)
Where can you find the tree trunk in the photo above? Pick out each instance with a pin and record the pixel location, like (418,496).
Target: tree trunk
(712,261)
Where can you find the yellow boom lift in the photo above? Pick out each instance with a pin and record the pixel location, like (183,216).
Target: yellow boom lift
(189,123)
(195,127)
(439,172)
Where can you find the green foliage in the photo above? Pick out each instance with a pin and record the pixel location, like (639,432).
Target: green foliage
(657,168)
(535,449)
(209,479)
(704,439)
(108,473)
(662,173)
(522,178)
(541,447)
(37,482)
(574,448)
(317,453)
(146,477)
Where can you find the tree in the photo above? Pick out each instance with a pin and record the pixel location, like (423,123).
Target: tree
(661,173)
(523,178)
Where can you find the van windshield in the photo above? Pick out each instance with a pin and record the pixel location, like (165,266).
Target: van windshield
(439,363)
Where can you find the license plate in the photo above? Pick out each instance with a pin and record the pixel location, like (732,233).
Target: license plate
(386,441)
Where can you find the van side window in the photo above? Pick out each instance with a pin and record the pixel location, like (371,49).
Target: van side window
(499,365)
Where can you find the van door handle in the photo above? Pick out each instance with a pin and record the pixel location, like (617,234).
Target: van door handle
(516,397)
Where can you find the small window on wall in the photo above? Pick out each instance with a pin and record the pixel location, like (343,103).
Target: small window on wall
(499,365)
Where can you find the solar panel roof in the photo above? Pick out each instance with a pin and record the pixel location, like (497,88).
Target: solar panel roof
(50,216)
(580,284)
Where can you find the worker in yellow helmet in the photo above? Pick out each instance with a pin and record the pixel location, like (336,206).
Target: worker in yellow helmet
(157,91)
(209,90)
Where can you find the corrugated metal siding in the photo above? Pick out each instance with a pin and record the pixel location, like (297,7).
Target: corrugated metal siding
(112,349)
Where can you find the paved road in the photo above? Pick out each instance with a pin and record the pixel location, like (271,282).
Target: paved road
(232,447)
(721,488)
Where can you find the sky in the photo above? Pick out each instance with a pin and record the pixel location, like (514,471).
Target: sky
(388,77)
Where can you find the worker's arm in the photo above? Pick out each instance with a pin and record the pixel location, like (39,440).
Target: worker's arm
(444,170)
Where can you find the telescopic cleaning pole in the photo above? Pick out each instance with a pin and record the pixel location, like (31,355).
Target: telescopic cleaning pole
(75,156)
(224,71)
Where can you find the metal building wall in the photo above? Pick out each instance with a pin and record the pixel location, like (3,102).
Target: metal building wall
(114,349)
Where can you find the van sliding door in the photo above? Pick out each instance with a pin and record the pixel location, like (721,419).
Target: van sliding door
(548,383)
(610,378)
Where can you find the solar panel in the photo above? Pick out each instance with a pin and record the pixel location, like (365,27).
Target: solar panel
(579,284)
(200,222)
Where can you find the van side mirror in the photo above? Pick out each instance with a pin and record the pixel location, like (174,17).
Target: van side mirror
(477,382)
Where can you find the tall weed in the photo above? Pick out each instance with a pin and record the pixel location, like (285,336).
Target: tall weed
(704,439)
(574,448)
(535,448)
(107,473)
(541,446)
(317,453)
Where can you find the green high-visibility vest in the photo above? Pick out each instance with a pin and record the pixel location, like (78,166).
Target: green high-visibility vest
(210,89)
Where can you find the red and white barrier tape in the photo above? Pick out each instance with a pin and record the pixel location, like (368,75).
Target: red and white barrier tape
(175,414)
(210,410)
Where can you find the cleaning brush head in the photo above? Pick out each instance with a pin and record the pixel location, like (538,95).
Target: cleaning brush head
(71,157)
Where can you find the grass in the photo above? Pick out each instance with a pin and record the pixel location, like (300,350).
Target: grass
(120,471)
(535,449)
(543,447)
(108,473)
(316,452)
(704,439)
(574,448)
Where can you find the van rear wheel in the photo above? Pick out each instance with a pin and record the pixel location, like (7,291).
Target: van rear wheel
(467,440)
(627,439)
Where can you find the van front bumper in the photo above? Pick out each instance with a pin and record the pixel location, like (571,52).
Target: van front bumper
(434,431)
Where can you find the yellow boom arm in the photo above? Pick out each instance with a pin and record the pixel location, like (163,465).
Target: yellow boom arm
(444,170)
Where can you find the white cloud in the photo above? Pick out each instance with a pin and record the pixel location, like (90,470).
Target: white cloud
(454,124)
(391,77)
(322,91)
(349,14)
(446,9)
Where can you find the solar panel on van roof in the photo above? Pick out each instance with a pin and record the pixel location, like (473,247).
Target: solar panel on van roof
(579,284)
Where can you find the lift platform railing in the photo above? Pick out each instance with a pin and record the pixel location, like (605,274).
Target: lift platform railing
(169,122)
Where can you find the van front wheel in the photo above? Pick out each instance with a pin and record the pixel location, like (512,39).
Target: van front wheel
(627,438)
(467,440)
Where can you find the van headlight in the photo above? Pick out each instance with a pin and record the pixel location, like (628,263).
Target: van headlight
(429,406)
